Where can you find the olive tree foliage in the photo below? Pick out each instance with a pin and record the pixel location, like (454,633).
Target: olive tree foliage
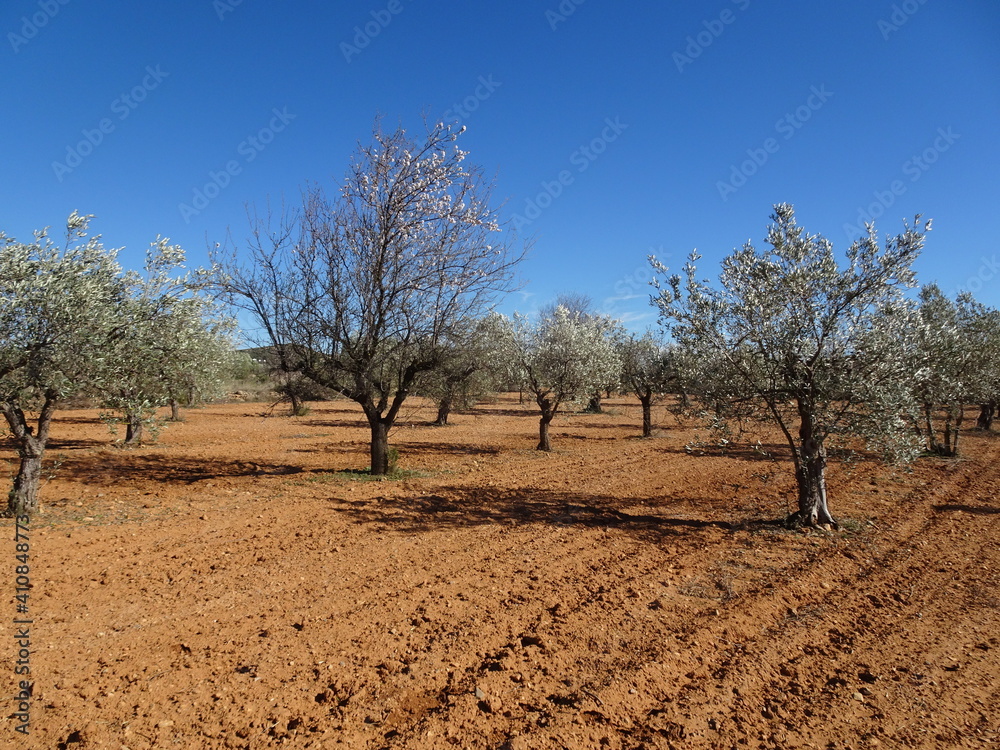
(650,368)
(60,316)
(178,346)
(561,358)
(956,348)
(361,292)
(796,340)
(582,306)
(463,374)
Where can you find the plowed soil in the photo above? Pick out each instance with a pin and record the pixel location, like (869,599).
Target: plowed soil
(239,584)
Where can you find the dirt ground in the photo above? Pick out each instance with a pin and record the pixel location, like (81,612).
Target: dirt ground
(237,585)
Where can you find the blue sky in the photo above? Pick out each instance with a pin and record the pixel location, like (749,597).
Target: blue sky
(614,130)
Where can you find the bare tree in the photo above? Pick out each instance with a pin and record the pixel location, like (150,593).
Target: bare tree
(360,292)
(797,341)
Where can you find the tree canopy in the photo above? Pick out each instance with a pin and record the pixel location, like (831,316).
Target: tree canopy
(790,337)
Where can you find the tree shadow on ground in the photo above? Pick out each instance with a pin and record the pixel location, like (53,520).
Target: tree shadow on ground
(67,419)
(979,510)
(464,507)
(361,423)
(743,451)
(124,466)
(64,444)
(528,410)
(454,449)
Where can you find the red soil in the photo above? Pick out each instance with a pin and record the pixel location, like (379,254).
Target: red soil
(233,587)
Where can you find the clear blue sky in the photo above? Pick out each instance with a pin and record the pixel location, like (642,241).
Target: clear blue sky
(614,129)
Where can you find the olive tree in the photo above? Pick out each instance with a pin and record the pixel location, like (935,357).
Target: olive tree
(560,358)
(803,343)
(649,369)
(463,373)
(956,346)
(60,315)
(177,345)
(581,306)
(361,291)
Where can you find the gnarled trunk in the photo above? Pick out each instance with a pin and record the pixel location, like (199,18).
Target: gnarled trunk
(296,402)
(544,441)
(548,412)
(810,475)
(444,411)
(175,410)
(594,405)
(23,497)
(133,429)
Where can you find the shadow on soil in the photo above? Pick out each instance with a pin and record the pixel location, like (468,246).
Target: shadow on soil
(979,510)
(739,450)
(460,507)
(125,466)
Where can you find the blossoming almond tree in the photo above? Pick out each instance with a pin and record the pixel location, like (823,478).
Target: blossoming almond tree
(361,292)
(799,341)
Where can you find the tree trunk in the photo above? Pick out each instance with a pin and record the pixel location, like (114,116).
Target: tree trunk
(811,479)
(932,443)
(133,430)
(594,405)
(379,448)
(175,410)
(959,413)
(548,408)
(444,411)
(647,414)
(986,414)
(544,441)
(23,497)
(296,402)
(810,475)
